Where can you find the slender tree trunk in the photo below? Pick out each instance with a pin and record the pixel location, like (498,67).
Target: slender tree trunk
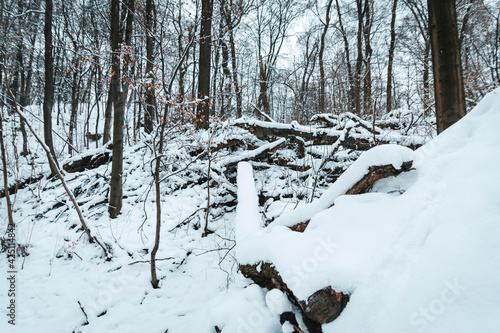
(446,63)
(150,113)
(203,108)
(116,191)
(263,85)
(359,60)
(237,90)
(74,102)
(392,46)
(367,89)
(127,54)
(23,97)
(350,75)
(322,82)
(5,176)
(425,76)
(108,114)
(226,104)
(49,84)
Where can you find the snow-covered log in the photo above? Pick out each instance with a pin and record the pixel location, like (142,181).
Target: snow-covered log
(353,133)
(323,303)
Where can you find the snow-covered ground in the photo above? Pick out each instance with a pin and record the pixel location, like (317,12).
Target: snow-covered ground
(421,261)
(417,254)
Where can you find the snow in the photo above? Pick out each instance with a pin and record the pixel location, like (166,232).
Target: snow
(419,253)
(380,155)
(423,261)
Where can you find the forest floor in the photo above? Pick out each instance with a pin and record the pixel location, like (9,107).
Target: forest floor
(403,245)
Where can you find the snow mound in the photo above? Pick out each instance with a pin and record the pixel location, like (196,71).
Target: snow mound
(423,261)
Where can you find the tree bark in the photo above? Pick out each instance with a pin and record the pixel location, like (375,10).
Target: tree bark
(446,63)
(392,46)
(203,107)
(116,191)
(367,89)
(108,113)
(320,59)
(5,177)
(263,84)
(359,59)
(49,84)
(150,113)
(237,90)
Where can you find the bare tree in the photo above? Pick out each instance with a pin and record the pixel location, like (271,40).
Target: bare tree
(150,86)
(320,59)
(392,46)
(49,83)
(116,186)
(203,108)
(446,63)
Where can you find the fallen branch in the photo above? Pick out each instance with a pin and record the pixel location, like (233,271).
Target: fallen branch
(20,185)
(252,155)
(374,174)
(322,307)
(88,162)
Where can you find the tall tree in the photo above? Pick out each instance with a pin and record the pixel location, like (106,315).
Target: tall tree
(150,89)
(360,10)
(203,108)
(392,46)
(446,63)
(367,28)
(320,60)
(347,57)
(116,190)
(49,83)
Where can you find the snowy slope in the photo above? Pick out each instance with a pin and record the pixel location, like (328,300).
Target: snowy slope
(423,261)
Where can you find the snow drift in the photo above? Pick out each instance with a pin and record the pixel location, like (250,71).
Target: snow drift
(419,253)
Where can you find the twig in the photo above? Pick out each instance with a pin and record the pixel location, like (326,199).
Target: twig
(148,261)
(86,317)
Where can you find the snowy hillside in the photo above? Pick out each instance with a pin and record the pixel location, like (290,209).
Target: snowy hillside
(416,254)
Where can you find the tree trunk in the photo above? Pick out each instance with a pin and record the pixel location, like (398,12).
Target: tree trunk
(392,46)
(11,224)
(108,113)
(74,102)
(320,60)
(150,113)
(115,194)
(226,95)
(446,63)
(359,60)
(350,75)
(263,85)
(127,53)
(367,89)
(203,108)
(237,91)
(49,84)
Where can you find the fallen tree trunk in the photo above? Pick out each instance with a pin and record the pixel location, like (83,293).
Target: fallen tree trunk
(88,162)
(325,136)
(374,174)
(252,155)
(322,307)
(20,185)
